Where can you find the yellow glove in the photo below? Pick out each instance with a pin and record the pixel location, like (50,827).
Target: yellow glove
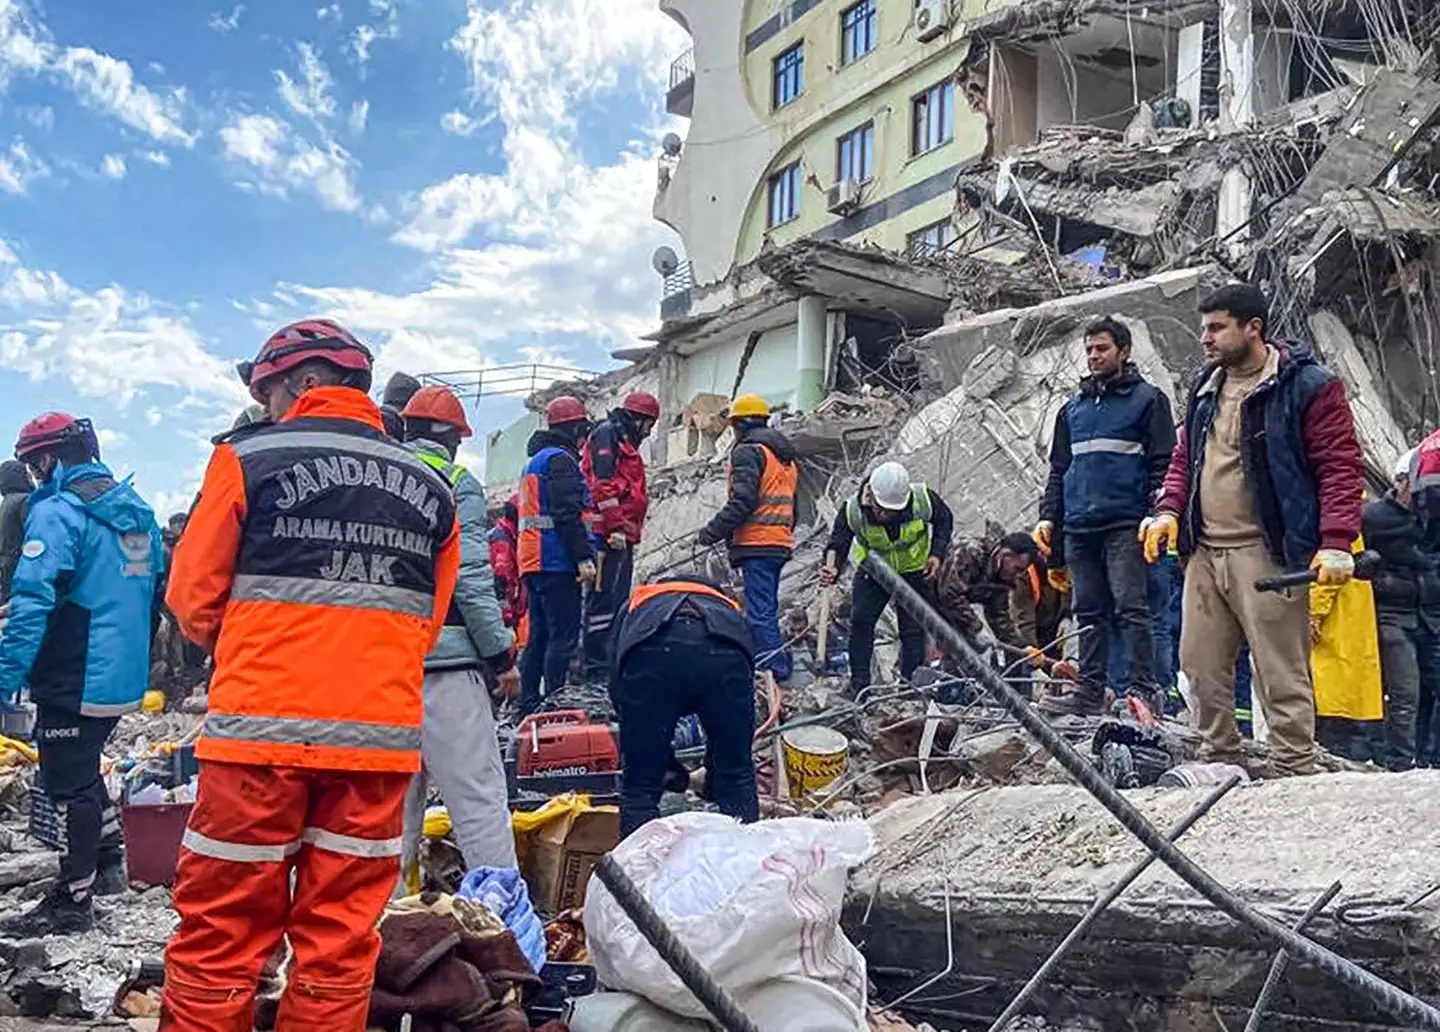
(1042,534)
(1333,567)
(1159,533)
(1037,658)
(1059,579)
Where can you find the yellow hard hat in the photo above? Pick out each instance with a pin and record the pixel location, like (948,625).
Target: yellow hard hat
(154,702)
(749,406)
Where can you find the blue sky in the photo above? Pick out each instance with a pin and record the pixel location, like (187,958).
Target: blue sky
(461,183)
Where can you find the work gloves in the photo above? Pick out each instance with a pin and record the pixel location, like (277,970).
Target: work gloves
(705,537)
(1043,532)
(587,573)
(828,576)
(1159,534)
(1059,579)
(1333,567)
(616,541)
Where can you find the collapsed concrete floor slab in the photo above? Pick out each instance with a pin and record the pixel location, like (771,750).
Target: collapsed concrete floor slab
(1024,863)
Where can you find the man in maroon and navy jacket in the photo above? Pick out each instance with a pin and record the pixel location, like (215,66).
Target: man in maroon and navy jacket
(508,586)
(1267,478)
(615,473)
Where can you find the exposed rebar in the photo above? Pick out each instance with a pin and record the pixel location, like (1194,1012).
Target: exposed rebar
(1282,959)
(1390,997)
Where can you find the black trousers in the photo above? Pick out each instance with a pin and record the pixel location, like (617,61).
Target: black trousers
(554,636)
(70,748)
(601,606)
(868,600)
(679,671)
(1111,592)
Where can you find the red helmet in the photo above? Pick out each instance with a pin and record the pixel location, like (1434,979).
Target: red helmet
(51,429)
(643,404)
(300,342)
(565,409)
(439,405)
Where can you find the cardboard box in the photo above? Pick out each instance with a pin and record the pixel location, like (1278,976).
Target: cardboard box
(564,852)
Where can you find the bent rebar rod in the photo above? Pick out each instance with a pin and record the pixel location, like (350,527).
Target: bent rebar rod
(1390,997)
(1103,904)
(1282,959)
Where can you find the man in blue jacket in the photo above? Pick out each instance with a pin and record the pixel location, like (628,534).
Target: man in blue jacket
(1112,446)
(81,616)
(459,744)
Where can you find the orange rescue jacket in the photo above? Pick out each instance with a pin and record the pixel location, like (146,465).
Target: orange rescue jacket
(318,563)
(772,523)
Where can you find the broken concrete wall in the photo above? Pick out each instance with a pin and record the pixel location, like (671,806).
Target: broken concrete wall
(1023,865)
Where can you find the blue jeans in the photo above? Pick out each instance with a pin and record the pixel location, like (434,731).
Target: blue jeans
(554,634)
(1111,598)
(1164,629)
(762,613)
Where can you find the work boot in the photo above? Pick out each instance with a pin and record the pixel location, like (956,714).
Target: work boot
(111,879)
(1076,702)
(57,914)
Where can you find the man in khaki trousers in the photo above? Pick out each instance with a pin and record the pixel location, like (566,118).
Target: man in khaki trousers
(1266,478)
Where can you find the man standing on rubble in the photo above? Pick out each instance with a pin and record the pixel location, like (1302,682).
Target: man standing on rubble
(984,572)
(554,548)
(759,521)
(683,647)
(1112,445)
(906,526)
(318,564)
(615,474)
(82,612)
(1267,477)
(459,748)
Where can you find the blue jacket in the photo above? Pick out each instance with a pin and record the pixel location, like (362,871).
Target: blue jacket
(84,596)
(554,501)
(474,628)
(1112,447)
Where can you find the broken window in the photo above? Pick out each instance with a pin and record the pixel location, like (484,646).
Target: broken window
(934,118)
(789,75)
(928,240)
(785,195)
(856,154)
(858,31)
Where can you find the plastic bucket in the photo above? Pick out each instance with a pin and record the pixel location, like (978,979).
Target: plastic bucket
(152,841)
(815,758)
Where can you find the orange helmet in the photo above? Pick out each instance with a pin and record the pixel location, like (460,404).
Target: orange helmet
(439,405)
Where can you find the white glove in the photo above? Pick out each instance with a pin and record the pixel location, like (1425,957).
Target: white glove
(1334,566)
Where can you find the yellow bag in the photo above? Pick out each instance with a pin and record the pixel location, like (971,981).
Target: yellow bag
(559,844)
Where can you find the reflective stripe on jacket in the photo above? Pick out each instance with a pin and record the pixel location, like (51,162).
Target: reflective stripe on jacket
(541,547)
(906,553)
(615,475)
(318,562)
(474,625)
(772,523)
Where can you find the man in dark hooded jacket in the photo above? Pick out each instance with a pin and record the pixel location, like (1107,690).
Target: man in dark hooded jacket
(399,389)
(15,488)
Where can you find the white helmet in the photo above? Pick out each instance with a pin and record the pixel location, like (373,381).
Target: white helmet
(890,486)
(1402,465)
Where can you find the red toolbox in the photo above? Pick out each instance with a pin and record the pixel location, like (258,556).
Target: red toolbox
(152,841)
(564,743)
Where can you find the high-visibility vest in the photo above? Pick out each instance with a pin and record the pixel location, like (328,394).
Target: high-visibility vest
(539,548)
(772,523)
(645,592)
(910,549)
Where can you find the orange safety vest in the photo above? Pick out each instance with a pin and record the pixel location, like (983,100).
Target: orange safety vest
(1035,584)
(645,592)
(772,524)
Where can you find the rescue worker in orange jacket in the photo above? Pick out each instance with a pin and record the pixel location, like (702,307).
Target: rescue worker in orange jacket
(318,564)
(759,521)
(615,474)
(682,647)
(554,548)
(504,538)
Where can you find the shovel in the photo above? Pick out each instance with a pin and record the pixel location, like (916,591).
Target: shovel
(824,632)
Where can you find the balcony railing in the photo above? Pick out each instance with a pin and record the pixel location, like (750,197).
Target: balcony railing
(520,379)
(676,295)
(680,100)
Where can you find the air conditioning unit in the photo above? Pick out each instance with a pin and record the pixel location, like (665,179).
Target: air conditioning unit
(843,198)
(932,19)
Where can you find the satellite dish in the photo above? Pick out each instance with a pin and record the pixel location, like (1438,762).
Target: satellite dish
(665,261)
(672,143)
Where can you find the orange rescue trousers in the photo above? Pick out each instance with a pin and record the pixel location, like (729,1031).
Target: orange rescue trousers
(339,832)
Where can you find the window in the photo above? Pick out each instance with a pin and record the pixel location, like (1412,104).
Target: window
(789,75)
(785,195)
(857,31)
(934,118)
(933,238)
(856,157)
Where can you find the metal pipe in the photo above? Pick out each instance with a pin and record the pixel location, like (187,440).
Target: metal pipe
(1103,903)
(1390,997)
(1282,959)
(674,952)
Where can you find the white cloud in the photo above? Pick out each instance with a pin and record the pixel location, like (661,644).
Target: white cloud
(387,13)
(153,415)
(359,115)
(113,166)
(228,23)
(283,161)
(111,438)
(41,117)
(110,343)
(102,82)
(311,97)
(157,158)
(8,255)
(331,13)
(459,123)
(19,168)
